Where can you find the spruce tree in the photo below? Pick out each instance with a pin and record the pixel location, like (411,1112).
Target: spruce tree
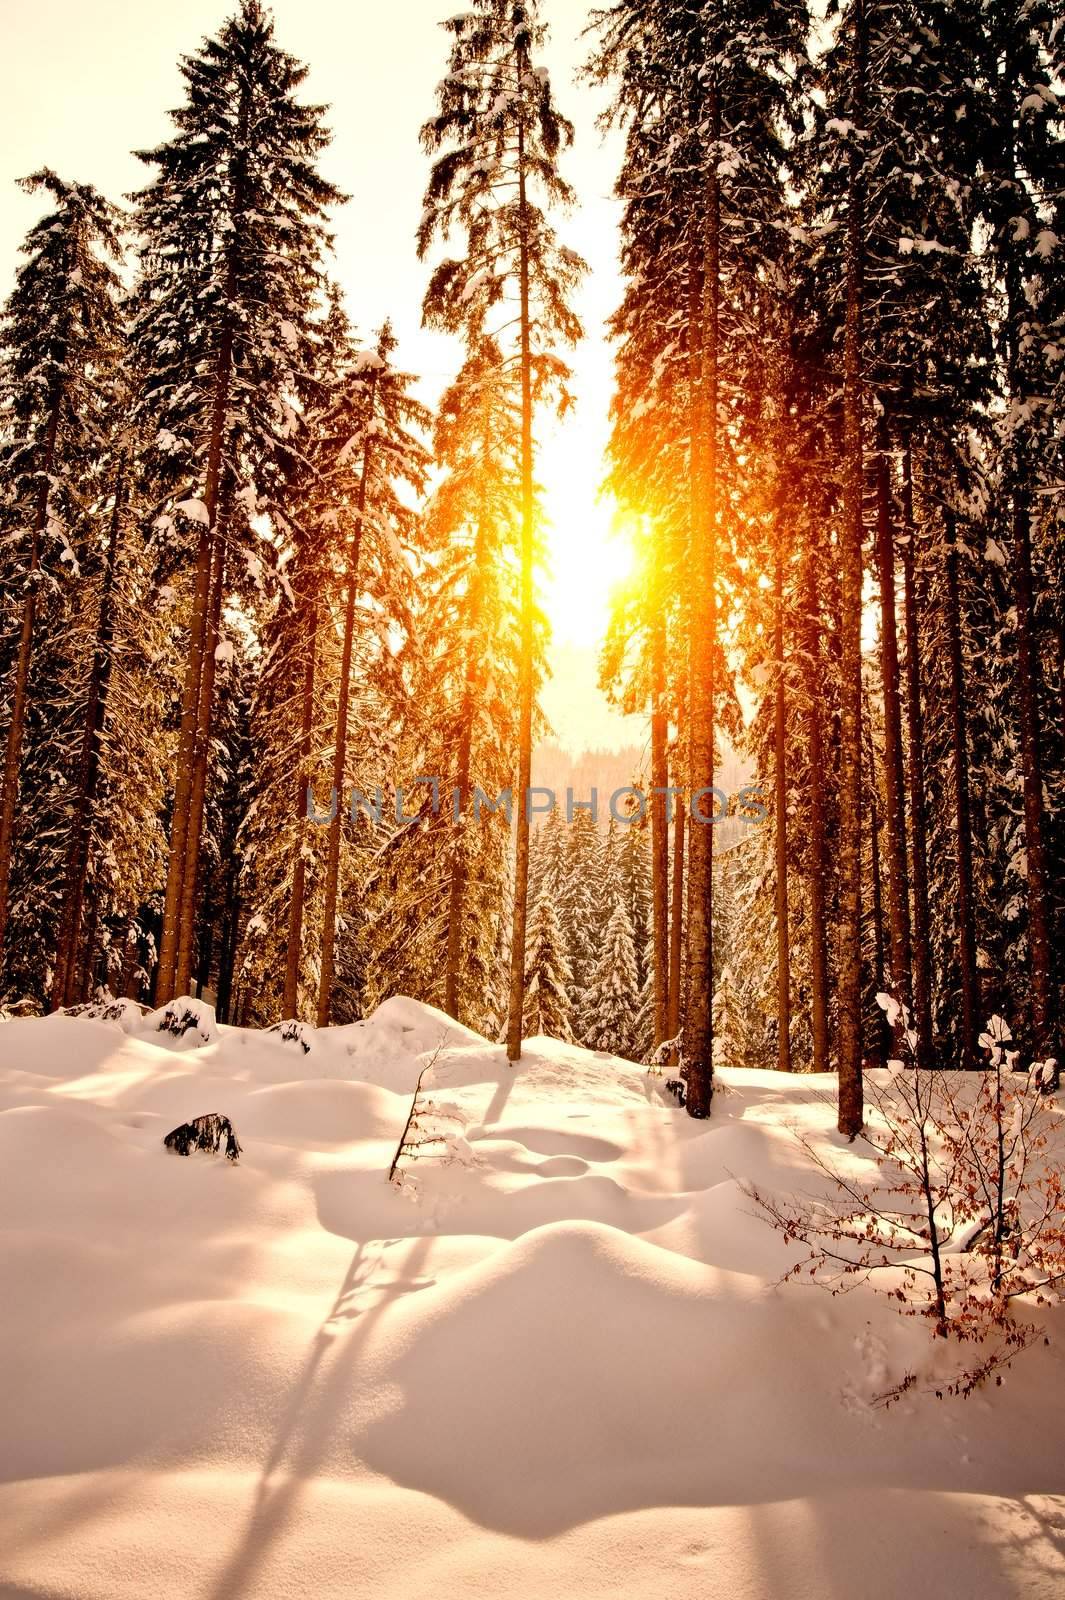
(635,863)
(547,871)
(61,345)
(580,908)
(731,1024)
(283,845)
(443,883)
(611,1006)
(97,690)
(610,886)
(233,234)
(547,977)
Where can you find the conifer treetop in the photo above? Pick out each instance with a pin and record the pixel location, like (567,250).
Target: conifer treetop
(61,322)
(497,126)
(234,236)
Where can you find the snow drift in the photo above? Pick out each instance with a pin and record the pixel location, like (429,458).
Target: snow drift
(550,1360)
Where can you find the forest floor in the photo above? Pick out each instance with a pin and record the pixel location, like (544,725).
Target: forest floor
(551,1361)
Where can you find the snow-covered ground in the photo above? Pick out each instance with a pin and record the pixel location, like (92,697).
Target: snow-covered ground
(550,1362)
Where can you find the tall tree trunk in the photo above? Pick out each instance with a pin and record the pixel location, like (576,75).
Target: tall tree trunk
(192,734)
(898,881)
(851,1088)
(85,791)
(294,951)
(703,358)
(817,844)
(525,665)
(922,935)
(17,726)
(780,759)
(1028,681)
(189,901)
(189,734)
(166,966)
(1028,675)
(340,751)
(659,828)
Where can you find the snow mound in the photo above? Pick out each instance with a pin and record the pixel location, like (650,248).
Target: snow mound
(421,1027)
(187,1021)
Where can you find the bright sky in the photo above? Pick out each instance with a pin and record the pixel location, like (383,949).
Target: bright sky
(84,81)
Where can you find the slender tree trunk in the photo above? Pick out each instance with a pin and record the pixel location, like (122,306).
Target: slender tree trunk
(230,934)
(456,913)
(962,813)
(459,869)
(127,984)
(878,916)
(676,922)
(332,865)
(525,666)
(87,970)
(294,951)
(817,850)
(340,751)
(659,829)
(189,901)
(20,692)
(179,823)
(703,354)
(922,936)
(1061,677)
(780,758)
(205,958)
(77,862)
(894,784)
(851,1089)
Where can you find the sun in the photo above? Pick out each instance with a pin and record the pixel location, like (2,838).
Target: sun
(588,553)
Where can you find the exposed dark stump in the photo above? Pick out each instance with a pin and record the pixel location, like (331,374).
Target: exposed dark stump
(205,1133)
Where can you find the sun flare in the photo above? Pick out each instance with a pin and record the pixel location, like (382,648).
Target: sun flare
(589,553)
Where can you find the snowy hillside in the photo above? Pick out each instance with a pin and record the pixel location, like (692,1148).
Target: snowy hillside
(550,1361)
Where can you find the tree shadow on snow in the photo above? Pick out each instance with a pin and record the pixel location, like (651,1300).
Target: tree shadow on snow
(313,1416)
